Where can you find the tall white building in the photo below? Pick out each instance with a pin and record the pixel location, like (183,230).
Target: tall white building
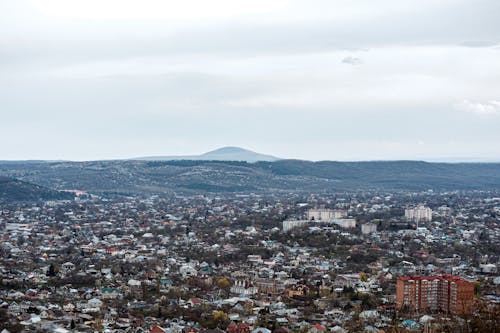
(368,228)
(292,224)
(418,214)
(325,214)
(344,223)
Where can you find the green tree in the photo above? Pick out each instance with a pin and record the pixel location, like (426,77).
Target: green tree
(52,270)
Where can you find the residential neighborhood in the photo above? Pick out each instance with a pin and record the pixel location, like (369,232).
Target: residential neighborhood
(213,263)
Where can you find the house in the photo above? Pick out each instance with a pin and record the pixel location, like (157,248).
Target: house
(347,280)
(369,314)
(68,307)
(95,302)
(261,330)
(240,328)
(110,293)
(135,288)
(157,329)
(215,330)
(44,314)
(338,329)
(67,267)
(187,271)
(194,301)
(317,329)
(269,286)
(243,287)
(14,309)
(92,305)
(297,291)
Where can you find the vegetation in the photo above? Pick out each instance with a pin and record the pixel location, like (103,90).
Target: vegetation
(132,177)
(16,190)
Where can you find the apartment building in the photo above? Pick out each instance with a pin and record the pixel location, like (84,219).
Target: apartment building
(446,293)
(418,214)
(325,214)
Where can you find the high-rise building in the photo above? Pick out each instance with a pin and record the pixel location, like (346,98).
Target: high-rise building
(368,228)
(447,293)
(293,224)
(325,214)
(418,214)
(344,223)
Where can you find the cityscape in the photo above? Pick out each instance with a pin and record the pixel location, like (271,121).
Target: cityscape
(291,262)
(249,166)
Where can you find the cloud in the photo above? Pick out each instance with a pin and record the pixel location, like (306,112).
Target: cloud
(157,74)
(479,43)
(487,108)
(352,61)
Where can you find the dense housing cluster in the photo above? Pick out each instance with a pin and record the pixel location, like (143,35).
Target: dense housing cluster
(212,262)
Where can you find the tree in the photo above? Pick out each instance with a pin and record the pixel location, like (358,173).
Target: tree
(220,315)
(477,288)
(52,270)
(220,318)
(223,283)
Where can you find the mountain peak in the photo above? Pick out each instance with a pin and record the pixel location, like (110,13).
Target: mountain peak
(231,153)
(229,150)
(228,153)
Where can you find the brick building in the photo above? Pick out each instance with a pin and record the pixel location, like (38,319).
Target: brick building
(269,286)
(447,293)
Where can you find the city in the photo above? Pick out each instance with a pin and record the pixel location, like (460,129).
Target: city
(352,262)
(249,166)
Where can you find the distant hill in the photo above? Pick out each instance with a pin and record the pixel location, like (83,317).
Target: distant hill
(16,190)
(221,154)
(202,176)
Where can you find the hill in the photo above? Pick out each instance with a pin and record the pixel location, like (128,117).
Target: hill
(221,154)
(16,190)
(187,176)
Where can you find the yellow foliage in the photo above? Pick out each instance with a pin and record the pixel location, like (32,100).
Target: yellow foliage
(220,315)
(223,283)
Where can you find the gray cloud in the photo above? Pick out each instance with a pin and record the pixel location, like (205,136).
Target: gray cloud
(271,79)
(352,61)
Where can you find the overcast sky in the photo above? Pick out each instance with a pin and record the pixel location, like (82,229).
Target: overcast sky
(332,79)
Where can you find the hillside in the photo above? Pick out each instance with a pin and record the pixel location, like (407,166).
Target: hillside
(16,190)
(186,176)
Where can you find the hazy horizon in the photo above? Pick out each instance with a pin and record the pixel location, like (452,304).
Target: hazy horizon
(151,157)
(317,80)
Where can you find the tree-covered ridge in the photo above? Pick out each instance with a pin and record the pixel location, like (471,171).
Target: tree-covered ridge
(235,176)
(16,190)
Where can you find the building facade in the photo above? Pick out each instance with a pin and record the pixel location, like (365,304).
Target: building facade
(447,293)
(292,224)
(418,214)
(368,228)
(344,223)
(325,214)
(269,286)
(244,288)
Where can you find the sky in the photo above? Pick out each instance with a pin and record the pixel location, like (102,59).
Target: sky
(312,79)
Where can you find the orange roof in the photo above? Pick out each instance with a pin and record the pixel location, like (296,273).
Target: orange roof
(157,329)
